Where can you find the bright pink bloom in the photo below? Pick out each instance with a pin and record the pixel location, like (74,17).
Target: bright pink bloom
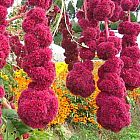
(37,108)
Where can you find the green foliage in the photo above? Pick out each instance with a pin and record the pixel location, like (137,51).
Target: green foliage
(58,39)
(71,9)
(14,126)
(114,25)
(76,28)
(79,3)
(133,17)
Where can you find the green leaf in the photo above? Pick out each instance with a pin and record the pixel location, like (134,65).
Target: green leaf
(58,2)
(76,28)
(133,17)
(79,3)
(71,10)
(13,122)
(58,39)
(9,114)
(21,127)
(114,26)
(102,26)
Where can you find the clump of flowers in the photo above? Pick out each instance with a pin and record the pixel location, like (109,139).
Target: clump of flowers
(4,41)
(41,3)
(34,103)
(80,80)
(36,62)
(71,48)
(130,53)
(112,98)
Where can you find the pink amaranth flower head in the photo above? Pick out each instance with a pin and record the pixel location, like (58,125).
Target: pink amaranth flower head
(43,34)
(6,3)
(3,12)
(117,1)
(89,34)
(100,40)
(114,115)
(116,14)
(131,5)
(83,23)
(80,81)
(4,45)
(43,75)
(135,5)
(37,108)
(103,98)
(126,4)
(93,4)
(16,45)
(37,14)
(92,45)
(113,65)
(80,14)
(106,50)
(129,40)
(88,64)
(2,92)
(2,29)
(117,42)
(45,4)
(123,16)
(133,52)
(131,78)
(36,59)
(128,62)
(86,54)
(103,33)
(129,28)
(31,43)
(112,84)
(104,10)
(28,25)
(2,63)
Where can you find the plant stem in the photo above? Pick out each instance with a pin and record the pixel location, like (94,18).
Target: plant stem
(106,29)
(129,16)
(59,20)
(5,103)
(16,17)
(85,8)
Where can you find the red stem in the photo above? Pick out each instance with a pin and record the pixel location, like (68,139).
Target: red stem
(16,17)
(106,29)
(85,8)
(129,16)
(5,104)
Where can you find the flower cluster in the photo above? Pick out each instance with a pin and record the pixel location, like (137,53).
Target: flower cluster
(129,5)
(130,53)
(37,105)
(80,79)
(71,49)
(4,41)
(17,48)
(41,3)
(71,108)
(112,98)
(74,108)
(37,108)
